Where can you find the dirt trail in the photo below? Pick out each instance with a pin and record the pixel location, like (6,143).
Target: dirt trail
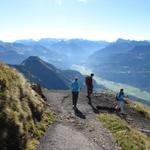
(79,130)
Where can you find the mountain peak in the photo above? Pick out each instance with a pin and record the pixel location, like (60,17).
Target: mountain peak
(31,59)
(120,40)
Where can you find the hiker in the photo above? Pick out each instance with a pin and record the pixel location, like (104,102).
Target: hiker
(89,84)
(120,97)
(75,87)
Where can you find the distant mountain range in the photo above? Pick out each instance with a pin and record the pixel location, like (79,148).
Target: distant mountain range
(38,71)
(9,54)
(60,52)
(124,61)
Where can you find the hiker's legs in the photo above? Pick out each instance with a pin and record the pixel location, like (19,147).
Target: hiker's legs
(89,91)
(76,98)
(73,98)
(122,107)
(117,107)
(89,100)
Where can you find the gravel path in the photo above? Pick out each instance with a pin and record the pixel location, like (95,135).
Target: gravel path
(75,130)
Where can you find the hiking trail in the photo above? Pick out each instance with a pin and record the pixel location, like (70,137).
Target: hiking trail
(80,129)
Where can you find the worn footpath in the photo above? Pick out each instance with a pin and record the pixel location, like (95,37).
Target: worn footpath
(75,130)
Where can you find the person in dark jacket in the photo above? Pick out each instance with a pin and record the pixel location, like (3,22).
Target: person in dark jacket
(89,85)
(75,87)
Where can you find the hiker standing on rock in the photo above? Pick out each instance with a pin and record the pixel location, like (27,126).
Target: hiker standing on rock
(75,87)
(89,84)
(121,101)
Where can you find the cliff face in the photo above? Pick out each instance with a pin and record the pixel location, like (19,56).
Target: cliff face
(22,111)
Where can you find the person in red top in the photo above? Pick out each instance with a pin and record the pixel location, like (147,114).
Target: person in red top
(89,84)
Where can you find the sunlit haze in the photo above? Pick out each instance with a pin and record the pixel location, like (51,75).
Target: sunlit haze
(88,19)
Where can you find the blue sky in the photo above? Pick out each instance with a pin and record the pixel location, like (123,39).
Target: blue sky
(88,19)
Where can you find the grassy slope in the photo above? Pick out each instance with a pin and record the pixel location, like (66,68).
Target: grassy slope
(127,137)
(144,109)
(23,115)
(139,107)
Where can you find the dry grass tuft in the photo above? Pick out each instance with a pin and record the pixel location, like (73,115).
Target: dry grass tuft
(139,107)
(126,137)
(23,118)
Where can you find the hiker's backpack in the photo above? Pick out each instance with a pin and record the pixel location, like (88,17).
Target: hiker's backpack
(88,80)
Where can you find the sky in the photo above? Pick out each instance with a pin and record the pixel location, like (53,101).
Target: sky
(88,19)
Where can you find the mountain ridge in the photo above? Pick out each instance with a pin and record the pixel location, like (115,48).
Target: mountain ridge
(129,65)
(39,71)
(60,52)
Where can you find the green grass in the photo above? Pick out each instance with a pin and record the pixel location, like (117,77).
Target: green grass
(38,130)
(125,136)
(23,116)
(2,94)
(139,107)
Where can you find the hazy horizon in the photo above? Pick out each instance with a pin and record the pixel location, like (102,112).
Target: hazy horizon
(37,39)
